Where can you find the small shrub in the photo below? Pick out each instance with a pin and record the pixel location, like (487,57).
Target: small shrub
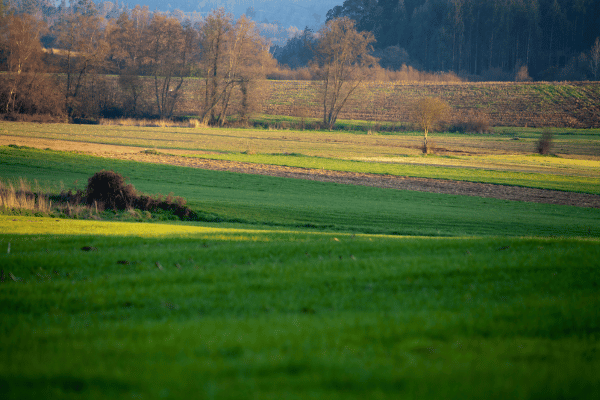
(150,151)
(473,122)
(109,188)
(522,75)
(545,143)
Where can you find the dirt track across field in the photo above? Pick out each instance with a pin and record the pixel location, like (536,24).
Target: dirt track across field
(383,181)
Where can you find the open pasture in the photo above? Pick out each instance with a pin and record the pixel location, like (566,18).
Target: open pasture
(179,311)
(299,289)
(274,201)
(496,158)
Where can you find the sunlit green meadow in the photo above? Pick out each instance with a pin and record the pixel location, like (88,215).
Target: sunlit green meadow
(124,310)
(301,289)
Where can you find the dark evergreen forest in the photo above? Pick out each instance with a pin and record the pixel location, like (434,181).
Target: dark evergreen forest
(492,38)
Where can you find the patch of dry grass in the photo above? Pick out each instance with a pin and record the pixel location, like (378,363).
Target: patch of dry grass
(23,197)
(152,123)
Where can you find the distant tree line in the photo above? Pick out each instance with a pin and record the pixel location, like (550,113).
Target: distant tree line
(61,65)
(65,65)
(548,39)
(62,60)
(491,40)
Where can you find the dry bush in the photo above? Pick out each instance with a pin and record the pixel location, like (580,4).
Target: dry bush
(38,95)
(473,122)
(545,143)
(375,73)
(149,123)
(284,73)
(120,122)
(196,123)
(522,75)
(410,74)
(109,189)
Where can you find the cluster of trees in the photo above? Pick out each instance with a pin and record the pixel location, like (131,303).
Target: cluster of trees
(150,52)
(493,38)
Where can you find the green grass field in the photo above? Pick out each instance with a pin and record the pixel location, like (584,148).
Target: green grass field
(496,158)
(272,201)
(254,314)
(303,289)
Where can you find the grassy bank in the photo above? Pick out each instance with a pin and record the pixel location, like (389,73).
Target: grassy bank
(302,289)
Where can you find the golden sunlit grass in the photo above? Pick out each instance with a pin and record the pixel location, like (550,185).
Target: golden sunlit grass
(23,197)
(504,162)
(153,123)
(17,225)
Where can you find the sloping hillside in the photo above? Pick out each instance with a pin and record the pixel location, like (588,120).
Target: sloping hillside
(573,104)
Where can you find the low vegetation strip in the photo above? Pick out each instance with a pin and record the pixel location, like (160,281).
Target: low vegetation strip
(96,309)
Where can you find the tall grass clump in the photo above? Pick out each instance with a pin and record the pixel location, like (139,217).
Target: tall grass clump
(23,197)
(196,123)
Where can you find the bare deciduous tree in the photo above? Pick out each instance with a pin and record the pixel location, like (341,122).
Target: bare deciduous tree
(427,113)
(249,60)
(23,54)
(169,54)
(343,55)
(214,34)
(234,56)
(128,38)
(82,37)
(25,88)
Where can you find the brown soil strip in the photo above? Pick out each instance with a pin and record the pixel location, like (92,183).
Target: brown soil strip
(351,178)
